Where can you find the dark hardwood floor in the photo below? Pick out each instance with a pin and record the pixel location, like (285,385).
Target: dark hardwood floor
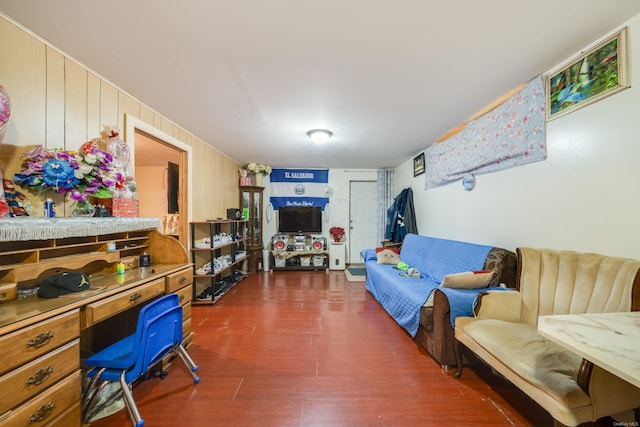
(312,349)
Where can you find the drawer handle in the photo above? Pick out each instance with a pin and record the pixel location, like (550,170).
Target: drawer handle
(182,279)
(180,298)
(40,340)
(42,413)
(40,376)
(135,297)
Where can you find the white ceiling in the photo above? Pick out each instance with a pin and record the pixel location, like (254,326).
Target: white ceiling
(252,77)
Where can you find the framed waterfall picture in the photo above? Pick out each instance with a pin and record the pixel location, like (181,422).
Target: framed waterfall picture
(596,73)
(418,164)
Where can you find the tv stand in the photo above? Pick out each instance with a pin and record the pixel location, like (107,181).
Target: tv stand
(299,251)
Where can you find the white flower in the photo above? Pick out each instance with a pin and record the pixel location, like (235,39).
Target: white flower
(261,168)
(83,169)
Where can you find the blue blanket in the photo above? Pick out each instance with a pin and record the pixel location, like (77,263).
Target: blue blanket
(403,297)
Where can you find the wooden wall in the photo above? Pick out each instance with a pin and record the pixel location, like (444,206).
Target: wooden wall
(58,103)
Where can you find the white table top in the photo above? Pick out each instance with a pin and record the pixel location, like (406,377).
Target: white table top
(609,340)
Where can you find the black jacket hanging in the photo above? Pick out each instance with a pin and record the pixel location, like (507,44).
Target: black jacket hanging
(401,217)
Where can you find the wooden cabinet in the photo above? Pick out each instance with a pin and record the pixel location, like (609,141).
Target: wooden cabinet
(181,283)
(43,341)
(100,310)
(219,256)
(251,205)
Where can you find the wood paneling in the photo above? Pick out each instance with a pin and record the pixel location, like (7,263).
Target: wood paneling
(146,114)
(127,105)
(23,71)
(75,106)
(59,103)
(94,125)
(55,101)
(109,106)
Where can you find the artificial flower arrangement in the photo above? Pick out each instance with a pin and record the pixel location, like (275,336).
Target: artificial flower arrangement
(337,233)
(259,168)
(89,171)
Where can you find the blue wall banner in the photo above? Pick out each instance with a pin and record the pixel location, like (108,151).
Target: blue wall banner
(299,187)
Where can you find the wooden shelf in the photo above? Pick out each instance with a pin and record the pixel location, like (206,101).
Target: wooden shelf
(199,256)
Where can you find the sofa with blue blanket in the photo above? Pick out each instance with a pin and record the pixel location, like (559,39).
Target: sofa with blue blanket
(420,305)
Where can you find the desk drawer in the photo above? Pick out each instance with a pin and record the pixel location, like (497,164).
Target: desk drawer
(185,295)
(179,280)
(106,308)
(186,311)
(71,417)
(28,380)
(47,405)
(186,328)
(34,341)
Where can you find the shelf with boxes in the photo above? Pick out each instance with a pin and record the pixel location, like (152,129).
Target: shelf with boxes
(299,252)
(219,256)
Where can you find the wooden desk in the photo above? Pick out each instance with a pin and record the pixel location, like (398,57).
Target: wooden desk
(609,340)
(43,341)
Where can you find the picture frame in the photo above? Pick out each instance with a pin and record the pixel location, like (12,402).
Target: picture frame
(595,74)
(418,165)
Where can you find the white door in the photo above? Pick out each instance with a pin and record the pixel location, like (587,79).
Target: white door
(362,218)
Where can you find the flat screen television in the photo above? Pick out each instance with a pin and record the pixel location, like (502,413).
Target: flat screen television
(300,219)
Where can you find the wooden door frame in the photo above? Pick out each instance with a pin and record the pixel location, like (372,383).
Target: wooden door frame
(133,124)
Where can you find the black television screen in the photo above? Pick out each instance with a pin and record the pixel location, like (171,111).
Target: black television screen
(302,219)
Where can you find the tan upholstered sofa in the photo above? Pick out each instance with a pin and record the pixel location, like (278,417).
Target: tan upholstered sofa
(503,331)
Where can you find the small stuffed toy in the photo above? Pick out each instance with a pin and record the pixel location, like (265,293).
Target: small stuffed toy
(388,256)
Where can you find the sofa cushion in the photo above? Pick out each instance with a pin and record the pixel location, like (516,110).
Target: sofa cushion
(436,258)
(387,256)
(467,280)
(532,357)
(395,250)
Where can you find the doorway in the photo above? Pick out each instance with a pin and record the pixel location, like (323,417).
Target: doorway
(153,152)
(362,218)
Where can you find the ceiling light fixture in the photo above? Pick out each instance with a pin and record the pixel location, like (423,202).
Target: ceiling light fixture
(319,136)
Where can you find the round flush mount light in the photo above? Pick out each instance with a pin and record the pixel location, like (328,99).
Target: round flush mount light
(319,136)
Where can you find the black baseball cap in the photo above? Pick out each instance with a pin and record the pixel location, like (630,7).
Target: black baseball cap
(63,283)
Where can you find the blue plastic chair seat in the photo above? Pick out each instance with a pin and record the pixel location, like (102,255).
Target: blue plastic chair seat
(158,333)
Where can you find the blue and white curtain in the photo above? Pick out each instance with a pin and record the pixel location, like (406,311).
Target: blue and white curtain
(299,187)
(384,199)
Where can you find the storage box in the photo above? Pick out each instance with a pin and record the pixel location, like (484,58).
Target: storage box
(125,208)
(318,260)
(280,262)
(305,261)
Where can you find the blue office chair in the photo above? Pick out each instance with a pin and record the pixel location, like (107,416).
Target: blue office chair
(158,333)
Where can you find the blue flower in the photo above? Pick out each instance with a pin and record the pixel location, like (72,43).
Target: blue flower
(59,174)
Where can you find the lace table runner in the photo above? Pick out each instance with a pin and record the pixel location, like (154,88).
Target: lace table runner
(29,228)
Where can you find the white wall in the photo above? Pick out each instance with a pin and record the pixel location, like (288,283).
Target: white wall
(339,180)
(583,197)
